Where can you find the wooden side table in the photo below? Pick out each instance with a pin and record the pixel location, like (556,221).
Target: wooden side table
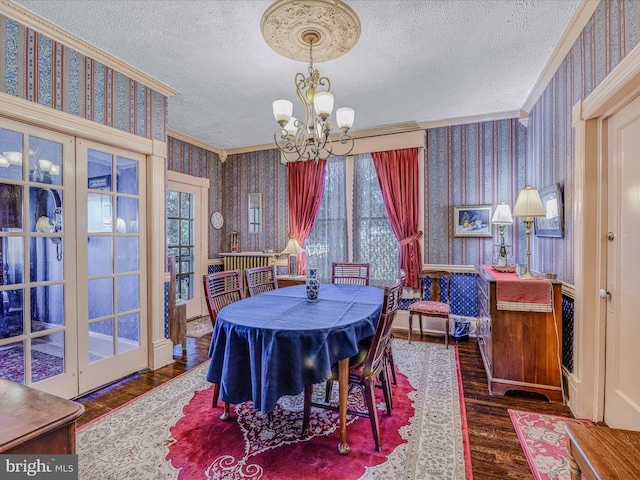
(290,280)
(32,421)
(603,453)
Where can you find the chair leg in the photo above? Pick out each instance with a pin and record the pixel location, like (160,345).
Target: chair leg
(370,397)
(386,389)
(392,364)
(446,333)
(308,391)
(420,316)
(410,326)
(216,394)
(328,390)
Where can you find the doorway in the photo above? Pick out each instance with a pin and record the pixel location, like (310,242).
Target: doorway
(187,200)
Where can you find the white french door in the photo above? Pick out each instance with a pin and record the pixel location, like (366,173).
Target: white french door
(112,326)
(38,322)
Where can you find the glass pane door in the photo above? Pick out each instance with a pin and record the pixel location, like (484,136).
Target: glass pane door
(37,317)
(113,328)
(181,241)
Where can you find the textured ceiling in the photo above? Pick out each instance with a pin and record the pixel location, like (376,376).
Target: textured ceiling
(415,60)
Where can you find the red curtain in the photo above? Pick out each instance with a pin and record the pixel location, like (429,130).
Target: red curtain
(398,178)
(306,185)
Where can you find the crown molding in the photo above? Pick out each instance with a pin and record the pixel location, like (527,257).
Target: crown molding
(485,117)
(574,28)
(39,24)
(193,141)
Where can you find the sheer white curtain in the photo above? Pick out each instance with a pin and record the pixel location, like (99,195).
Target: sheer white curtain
(372,238)
(328,240)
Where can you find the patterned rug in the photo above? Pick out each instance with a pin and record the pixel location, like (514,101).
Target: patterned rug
(43,365)
(172,432)
(544,443)
(199,327)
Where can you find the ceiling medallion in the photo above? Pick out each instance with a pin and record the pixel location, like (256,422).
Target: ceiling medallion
(289,26)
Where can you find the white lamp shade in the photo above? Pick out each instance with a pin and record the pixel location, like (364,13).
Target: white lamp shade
(282,110)
(45,165)
(15,158)
(345,117)
(55,170)
(502,215)
(528,203)
(323,103)
(292,248)
(290,127)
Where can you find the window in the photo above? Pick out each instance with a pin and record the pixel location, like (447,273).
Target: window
(352,223)
(180,226)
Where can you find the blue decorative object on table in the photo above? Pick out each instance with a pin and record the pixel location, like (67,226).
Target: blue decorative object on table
(313,286)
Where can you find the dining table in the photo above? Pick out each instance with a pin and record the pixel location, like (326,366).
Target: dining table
(275,343)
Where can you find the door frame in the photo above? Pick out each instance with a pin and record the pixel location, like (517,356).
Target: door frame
(160,349)
(589,118)
(199,187)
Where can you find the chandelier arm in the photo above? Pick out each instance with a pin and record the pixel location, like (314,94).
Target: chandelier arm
(325,81)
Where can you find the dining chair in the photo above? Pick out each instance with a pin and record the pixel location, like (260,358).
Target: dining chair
(261,279)
(402,276)
(221,289)
(367,368)
(438,305)
(350,273)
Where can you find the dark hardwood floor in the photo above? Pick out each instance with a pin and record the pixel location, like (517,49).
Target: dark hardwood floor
(495,449)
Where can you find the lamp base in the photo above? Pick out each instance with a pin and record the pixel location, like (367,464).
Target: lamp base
(527,276)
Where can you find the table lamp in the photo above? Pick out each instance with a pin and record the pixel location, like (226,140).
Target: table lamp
(292,249)
(502,217)
(528,205)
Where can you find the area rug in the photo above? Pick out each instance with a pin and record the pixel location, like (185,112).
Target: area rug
(199,327)
(172,432)
(544,443)
(43,365)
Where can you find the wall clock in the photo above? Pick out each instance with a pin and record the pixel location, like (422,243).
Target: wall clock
(217,220)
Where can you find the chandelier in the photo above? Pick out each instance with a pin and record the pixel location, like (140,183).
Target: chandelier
(329,28)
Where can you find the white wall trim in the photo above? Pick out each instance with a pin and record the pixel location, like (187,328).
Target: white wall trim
(194,141)
(574,28)
(36,22)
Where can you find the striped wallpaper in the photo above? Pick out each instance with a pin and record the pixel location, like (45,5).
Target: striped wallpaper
(46,72)
(191,160)
(475,164)
(607,38)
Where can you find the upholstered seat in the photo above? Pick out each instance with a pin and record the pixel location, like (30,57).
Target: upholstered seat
(438,305)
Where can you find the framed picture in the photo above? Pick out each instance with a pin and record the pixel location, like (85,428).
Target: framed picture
(552,224)
(472,221)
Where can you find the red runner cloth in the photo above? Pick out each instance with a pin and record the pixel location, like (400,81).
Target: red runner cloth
(509,288)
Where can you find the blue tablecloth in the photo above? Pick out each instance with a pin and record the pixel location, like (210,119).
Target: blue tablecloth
(277,342)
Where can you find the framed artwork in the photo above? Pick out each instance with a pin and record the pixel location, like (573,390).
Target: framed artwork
(472,221)
(552,224)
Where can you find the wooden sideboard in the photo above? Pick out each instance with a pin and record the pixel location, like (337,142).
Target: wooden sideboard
(32,421)
(521,350)
(290,280)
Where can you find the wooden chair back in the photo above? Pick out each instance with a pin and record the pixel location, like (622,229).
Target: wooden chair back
(435,290)
(261,279)
(222,289)
(375,358)
(350,273)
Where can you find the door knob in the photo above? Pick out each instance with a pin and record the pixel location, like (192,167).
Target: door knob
(604,293)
